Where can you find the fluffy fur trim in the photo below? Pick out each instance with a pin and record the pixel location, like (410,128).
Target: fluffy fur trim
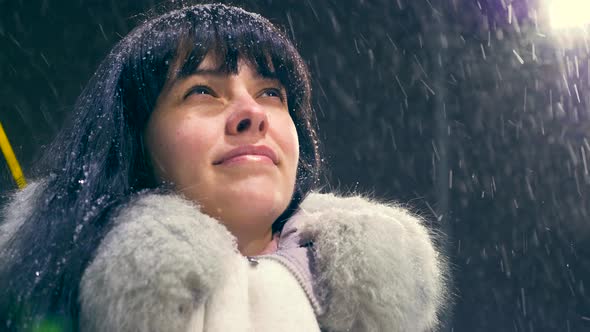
(15,212)
(377,268)
(155,267)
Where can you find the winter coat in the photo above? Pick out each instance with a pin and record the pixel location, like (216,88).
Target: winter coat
(342,264)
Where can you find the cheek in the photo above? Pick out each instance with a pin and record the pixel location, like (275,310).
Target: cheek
(295,140)
(192,140)
(178,144)
(290,141)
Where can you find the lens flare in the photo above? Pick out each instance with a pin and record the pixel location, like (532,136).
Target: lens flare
(566,14)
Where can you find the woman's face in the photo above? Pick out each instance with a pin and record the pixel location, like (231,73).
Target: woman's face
(197,124)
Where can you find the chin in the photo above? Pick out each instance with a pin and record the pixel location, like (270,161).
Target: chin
(264,200)
(259,202)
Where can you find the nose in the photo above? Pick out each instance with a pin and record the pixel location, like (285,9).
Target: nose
(247,117)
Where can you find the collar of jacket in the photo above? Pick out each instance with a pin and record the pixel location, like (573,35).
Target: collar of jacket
(375,265)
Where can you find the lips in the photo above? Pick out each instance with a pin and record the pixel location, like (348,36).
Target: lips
(256,150)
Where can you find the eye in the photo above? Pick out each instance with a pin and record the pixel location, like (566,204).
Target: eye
(199,90)
(273,92)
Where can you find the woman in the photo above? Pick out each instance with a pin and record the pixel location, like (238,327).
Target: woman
(180,199)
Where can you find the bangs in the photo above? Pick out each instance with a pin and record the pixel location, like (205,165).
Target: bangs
(231,36)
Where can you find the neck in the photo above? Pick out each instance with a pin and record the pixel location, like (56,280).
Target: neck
(254,244)
(254,234)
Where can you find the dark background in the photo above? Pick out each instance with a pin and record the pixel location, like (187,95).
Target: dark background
(474,113)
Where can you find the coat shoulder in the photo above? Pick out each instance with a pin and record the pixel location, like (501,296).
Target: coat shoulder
(19,207)
(154,267)
(376,262)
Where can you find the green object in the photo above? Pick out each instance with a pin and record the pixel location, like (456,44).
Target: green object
(49,325)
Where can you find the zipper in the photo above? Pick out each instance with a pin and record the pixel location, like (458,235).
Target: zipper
(253,260)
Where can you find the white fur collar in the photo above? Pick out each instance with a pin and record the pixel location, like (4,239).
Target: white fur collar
(377,269)
(376,266)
